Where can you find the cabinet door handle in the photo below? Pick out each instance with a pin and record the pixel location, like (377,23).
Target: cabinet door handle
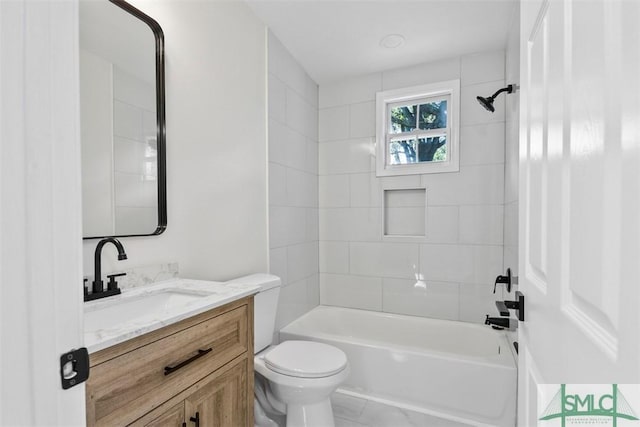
(196,419)
(171,369)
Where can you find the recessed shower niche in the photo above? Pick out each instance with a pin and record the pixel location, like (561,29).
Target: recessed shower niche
(404,212)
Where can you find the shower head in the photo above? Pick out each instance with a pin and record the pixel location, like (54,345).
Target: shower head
(487,103)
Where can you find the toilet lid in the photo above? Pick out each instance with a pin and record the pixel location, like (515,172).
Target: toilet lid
(306,359)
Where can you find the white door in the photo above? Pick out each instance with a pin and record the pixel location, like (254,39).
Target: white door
(40,212)
(580,200)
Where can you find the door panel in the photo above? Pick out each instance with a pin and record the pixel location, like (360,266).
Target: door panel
(579,195)
(222,400)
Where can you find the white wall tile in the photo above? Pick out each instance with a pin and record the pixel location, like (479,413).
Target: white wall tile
(277,99)
(482,144)
(302,188)
(334,257)
(478,264)
(350,156)
(481,224)
(350,91)
(282,64)
(365,190)
(313,291)
(438,300)
(293,183)
(292,304)
(404,197)
(442,224)
(405,221)
(482,67)
(362,120)
(473,185)
(313,227)
(311,164)
(476,301)
(277,185)
(351,291)
(398,260)
(278,263)
(334,123)
(350,224)
(296,145)
(311,92)
(279,142)
(421,74)
(334,191)
(302,261)
(472,113)
(299,114)
(287,226)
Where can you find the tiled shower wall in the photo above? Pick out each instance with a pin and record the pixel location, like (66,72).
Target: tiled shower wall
(293,183)
(462,252)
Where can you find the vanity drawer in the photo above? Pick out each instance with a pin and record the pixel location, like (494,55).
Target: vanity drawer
(124,388)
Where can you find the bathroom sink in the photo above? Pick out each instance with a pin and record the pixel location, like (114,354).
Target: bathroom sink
(138,309)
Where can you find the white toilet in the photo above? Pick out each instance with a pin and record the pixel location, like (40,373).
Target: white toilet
(295,378)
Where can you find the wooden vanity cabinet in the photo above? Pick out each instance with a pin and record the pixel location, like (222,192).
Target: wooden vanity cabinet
(129,383)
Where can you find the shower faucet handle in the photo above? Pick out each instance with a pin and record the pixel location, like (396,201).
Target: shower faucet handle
(506,280)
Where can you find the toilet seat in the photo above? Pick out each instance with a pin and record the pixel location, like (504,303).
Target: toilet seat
(305,359)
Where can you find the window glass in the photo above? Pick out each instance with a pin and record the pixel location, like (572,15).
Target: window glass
(433,115)
(433,149)
(403,118)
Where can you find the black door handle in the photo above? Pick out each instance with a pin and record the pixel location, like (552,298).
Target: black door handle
(196,419)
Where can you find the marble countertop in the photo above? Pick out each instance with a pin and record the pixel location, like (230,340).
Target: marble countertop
(136,311)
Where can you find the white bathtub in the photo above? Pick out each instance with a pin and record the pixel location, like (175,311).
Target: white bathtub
(459,371)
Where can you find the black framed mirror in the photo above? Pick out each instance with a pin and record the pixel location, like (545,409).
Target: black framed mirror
(122,111)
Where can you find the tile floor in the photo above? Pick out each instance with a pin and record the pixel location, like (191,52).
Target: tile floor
(350,411)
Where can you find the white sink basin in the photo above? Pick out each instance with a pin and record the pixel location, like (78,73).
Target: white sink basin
(140,308)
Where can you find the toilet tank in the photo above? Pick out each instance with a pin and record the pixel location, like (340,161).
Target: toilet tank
(265,307)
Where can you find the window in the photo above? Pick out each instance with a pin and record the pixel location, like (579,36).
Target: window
(417,129)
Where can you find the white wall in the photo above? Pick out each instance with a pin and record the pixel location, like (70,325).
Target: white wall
(216,144)
(463,250)
(293,183)
(512,116)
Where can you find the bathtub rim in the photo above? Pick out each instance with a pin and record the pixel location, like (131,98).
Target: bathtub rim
(503,360)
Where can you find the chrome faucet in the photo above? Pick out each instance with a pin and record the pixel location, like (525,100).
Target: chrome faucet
(98,290)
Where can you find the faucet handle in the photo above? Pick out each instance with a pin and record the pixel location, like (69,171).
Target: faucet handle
(84,284)
(113,284)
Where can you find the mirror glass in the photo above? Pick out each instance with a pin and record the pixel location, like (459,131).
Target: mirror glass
(122,121)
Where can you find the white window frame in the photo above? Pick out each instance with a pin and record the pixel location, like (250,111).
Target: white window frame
(430,92)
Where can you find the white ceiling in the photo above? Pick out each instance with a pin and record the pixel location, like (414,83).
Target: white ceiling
(333,40)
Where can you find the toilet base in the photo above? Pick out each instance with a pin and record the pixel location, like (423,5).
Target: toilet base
(317,414)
